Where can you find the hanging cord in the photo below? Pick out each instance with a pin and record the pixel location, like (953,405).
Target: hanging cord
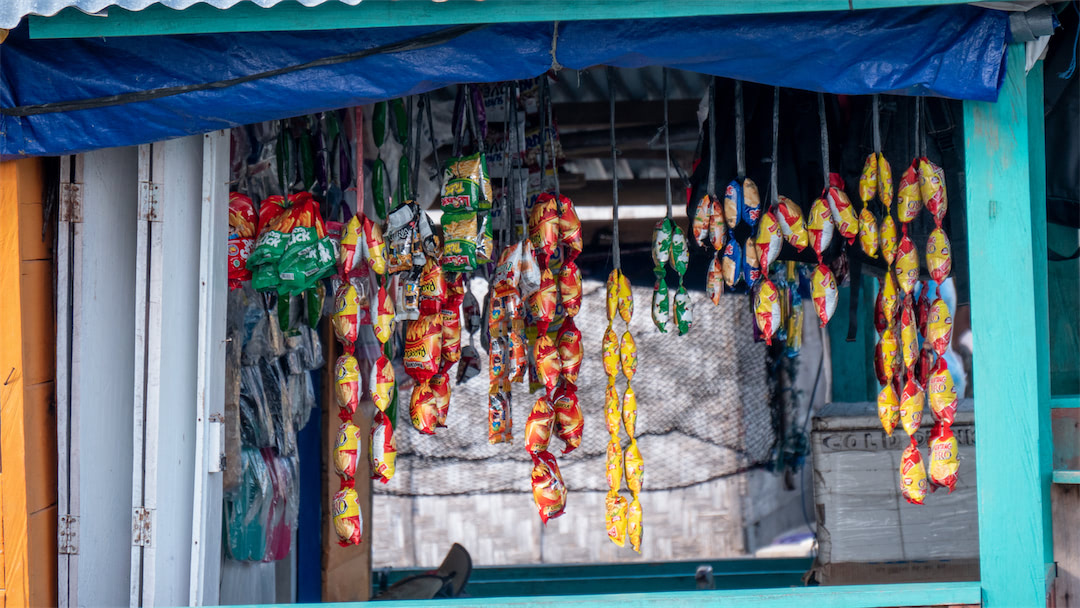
(518,190)
(414,139)
(918,129)
(431,136)
(667,150)
(774,172)
(551,140)
(474,124)
(740,132)
(877,125)
(543,130)
(507,181)
(922,138)
(824,138)
(614,175)
(711,187)
(555,65)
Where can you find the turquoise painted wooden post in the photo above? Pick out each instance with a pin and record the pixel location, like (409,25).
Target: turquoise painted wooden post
(1006,222)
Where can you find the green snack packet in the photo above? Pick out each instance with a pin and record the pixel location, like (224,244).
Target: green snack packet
(661,245)
(378,124)
(466,184)
(459,241)
(661,306)
(265,277)
(404,191)
(378,187)
(401,120)
(268,249)
(684,313)
(314,297)
(680,252)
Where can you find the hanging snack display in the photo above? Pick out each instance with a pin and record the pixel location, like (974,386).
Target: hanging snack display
(669,247)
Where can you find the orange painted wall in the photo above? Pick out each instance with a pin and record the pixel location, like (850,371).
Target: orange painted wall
(27,398)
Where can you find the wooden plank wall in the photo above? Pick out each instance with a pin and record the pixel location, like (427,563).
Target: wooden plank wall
(28,409)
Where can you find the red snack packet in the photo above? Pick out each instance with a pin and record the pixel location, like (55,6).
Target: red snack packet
(440,388)
(539,425)
(346,318)
(347,449)
(423,409)
(381,384)
(432,288)
(347,372)
(569,229)
(925,365)
(570,288)
(450,351)
(542,303)
(499,421)
(913,482)
(455,289)
(569,421)
(549,492)
(544,229)
(548,364)
(423,347)
(243,228)
(570,351)
(944,457)
(941,393)
(347,521)
(922,310)
(383,448)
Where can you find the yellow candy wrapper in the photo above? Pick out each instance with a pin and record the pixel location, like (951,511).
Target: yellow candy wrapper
(889,346)
(912,402)
(611,353)
(633,524)
(820,226)
(629,413)
(909,334)
(790,218)
(868,233)
(868,181)
(909,198)
(932,189)
(612,290)
(626,298)
(768,240)
(634,468)
(823,291)
(842,213)
(885,185)
(612,411)
(767,310)
(913,482)
(938,255)
(615,518)
(888,408)
(941,393)
(628,355)
(888,236)
(944,458)
(614,465)
(347,521)
(939,326)
(907,265)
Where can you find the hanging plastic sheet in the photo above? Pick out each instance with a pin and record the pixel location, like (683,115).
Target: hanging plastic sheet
(949,51)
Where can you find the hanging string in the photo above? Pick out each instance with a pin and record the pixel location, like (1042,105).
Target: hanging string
(518,189)
(824,138)
(877,125)
(507,181)
(551,141)
(614,175)
(474,124)
(543,132)
(918,131)
(667,150)
(711,187)
(431,134)
(922,136)
(414,139)
(740,132)
(774,172)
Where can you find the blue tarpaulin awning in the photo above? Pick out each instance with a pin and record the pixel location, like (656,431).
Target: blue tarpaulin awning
(132,90)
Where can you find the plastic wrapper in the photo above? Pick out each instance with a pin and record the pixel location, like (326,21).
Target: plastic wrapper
(628,355)
(750,211)
(570,229)
(924,366)
(539,426)
(384,316)
(374,247)
(626,298)
(633,524)
(348,523)
(629,411)
(717,228)
(907,265)
(470,364)
(789,217)
(887,355)
(507,271)
(751,266)
(548,364)
(423,347)
(944,457)
(347,450)
(542,303)
(732,262)
(569,421)
(346,313)
(518,359)
(909,197)
(888,236)
(450,351)
(932,188)
(459,241)
(634,467)
(549,492)
(615,516)
(347,383)
(423,408)
(768,240)
(465,184)
(440,387)
(611,288)
(823,291)
(941,393)
(497,355)
(570,351)
(382,383)
(661,306)
(530,278)
(699,227)
(382,449)
(820,226)
(733,203)
(430,244)
(611,353)
(661,245)
(499,422)
(909,334)
(247,510)
(432,288)
(888,303)
(913,483)
(614,464)
(570,288)
(868,233)
(684,311)
(612,408)
(888,407)
(885,182)
(544,228)
(767,310)
(912,403)
(401,235)
(408,298)
(680,251)
(842,212)
(938,255)
(939,326)
(714,288)
(485,240)
(868,180)
(470,309)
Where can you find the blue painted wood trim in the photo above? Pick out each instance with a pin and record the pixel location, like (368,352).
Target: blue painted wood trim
(1069,477)
(1005,173)
(1065,401)
(863,596)
(291,16)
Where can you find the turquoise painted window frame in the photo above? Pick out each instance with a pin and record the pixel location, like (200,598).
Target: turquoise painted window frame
(1006,227)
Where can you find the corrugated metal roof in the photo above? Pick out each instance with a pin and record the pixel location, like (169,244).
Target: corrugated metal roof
(13,11)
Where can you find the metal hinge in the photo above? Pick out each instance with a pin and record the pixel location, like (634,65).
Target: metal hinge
(71,202)
(142,524)
(68,535)
(149,200)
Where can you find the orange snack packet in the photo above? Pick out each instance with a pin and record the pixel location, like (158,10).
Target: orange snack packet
(570,351)
(423,346)
(423,409)
(549,492)
(548,364)
(542,303)
(615,516)
(440,388)
(570,288)
(539,425)
(569,421)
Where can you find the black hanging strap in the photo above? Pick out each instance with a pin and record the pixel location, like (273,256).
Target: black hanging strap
(712,138)
(824,138)
(551,140)
(877,125)
(614,175)
(667,150)
(740,132)
(774,171)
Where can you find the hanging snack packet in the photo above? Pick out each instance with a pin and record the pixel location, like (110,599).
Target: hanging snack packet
(381,384)
(625,299)
(942,393)
(570,229)
(732,263)
(570,288)
(661,245)
(400,235)
(751,265)
(820,225)
(347,373)
(497,357)
(485,240)
(569,422)
(614,465)
(888,351)
(823,291)
(351,252)
(548,364)
(611,353)
(907,265)
(544,227)
(347,450)
(542,303)
(684,311)
(539,426)
(615,516)
(459,241)
(939,326)
(912,402)
(661,303)
(347,521)
(767,310)
(440,388)
(750,211)
(570,351)
(885,185)
(925,365)
(938,205)
(499,422)
(888,408)
(909,198)
(549,492)
(680,251)
(450,351)
(932,189)
(909,334)
(466,185)
(469,367)
(718,233)
(913,484)
(868,233)
(384,316)
(714,288)
(374,247)
(944,453)
(633,524)
(868,181)
(612,294)
(842,213)
(888,236)
(733,202)
(423,409)
(612,408)
(634,467)
(629,411)
(628,355)
(890,299)
(768,240)
(432,288)
(383,448)
(790,218)
(938,255)
(423,347)
(346,313)
(530,271)
(700,225)
(507,271)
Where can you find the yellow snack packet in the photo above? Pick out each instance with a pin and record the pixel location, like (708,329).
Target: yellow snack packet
(628,355)
(612,412)
(611,352)
(634,467)
(615,518)
(868,181)
(633,524)
(888,408)
(614,465)
(868,232)
(629,413)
